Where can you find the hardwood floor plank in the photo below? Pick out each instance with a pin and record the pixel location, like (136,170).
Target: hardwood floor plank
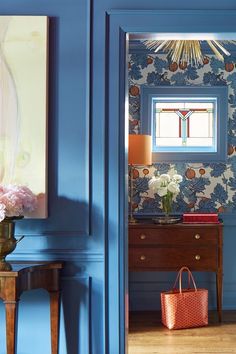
(148,336)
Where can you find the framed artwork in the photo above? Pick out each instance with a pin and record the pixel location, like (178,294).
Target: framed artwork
(23,105)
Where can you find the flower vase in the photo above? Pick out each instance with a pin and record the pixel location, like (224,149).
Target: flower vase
(7,242)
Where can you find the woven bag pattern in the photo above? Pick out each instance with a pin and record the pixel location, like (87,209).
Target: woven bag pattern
(184,308)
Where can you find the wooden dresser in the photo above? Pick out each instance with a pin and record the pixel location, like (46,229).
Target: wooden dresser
(154,247)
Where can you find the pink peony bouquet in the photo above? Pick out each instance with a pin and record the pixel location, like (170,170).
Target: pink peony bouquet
(16,201)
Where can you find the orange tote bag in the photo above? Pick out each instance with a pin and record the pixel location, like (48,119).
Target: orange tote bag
(184,308)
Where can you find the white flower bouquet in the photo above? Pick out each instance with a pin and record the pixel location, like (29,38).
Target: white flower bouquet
(167,188)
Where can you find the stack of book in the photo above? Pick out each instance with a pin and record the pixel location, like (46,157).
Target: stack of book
(211,218)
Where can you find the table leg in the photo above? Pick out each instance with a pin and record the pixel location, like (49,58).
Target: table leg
(55,317)
(11,308)
(219,289)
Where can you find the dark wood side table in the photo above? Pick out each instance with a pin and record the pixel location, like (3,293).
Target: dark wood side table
(154,247)
(27,276)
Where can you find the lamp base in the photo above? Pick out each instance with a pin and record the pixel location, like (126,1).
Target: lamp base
(132,220)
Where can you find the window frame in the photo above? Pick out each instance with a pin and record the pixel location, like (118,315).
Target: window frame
(219,93)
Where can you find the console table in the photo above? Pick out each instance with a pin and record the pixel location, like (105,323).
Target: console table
(154,247)
(27,276)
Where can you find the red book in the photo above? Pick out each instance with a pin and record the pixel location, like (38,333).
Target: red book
(200,218)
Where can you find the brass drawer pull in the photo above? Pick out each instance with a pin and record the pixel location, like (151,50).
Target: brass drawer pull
(197,257)
(142,258)
(197,236)
(142,237)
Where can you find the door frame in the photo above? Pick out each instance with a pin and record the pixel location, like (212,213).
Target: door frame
(119,23)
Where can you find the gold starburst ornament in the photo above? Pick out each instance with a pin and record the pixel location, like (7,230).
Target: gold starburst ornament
(187,51)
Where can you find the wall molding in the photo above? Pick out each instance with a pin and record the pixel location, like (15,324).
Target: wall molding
(76,190)
(88,98)
(87,44)
(78,290)
(56,233)
(69,255)
(133,12)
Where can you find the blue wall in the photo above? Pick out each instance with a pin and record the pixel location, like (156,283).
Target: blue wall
(83,158)
(74,230)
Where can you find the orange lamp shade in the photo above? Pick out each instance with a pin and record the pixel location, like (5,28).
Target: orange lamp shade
(140,149)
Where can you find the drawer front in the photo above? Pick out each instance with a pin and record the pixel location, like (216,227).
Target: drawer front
(147,258)
(165,236)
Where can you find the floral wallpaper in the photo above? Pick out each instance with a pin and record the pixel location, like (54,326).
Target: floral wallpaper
(206,187)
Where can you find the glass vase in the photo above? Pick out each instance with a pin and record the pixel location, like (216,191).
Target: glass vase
(167,203)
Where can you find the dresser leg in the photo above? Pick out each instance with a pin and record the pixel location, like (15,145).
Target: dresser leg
(219,294)
(55,317)
(11,308)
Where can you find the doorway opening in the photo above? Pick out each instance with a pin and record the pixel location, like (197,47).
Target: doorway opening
(151,264)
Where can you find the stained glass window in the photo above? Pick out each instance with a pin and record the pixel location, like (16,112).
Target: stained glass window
(187,123)
(184,123)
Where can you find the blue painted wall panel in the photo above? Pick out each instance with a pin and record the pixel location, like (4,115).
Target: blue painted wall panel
(66,234)
(75,212)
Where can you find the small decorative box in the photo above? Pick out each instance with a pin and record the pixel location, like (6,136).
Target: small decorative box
(200,218)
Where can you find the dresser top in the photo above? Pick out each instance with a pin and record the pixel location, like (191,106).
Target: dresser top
(151,224)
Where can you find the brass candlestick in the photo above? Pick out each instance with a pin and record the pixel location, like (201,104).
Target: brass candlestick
(132,220)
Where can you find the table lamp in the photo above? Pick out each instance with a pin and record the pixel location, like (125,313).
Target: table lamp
(140,153)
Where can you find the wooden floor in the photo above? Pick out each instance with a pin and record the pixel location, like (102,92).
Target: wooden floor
(148,336)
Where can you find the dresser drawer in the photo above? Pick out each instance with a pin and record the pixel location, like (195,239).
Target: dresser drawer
(146,258)
(162,236)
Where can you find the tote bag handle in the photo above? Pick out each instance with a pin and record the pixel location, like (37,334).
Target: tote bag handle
(190,278)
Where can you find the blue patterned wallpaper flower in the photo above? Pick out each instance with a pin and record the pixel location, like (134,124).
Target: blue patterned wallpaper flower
(206,187)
